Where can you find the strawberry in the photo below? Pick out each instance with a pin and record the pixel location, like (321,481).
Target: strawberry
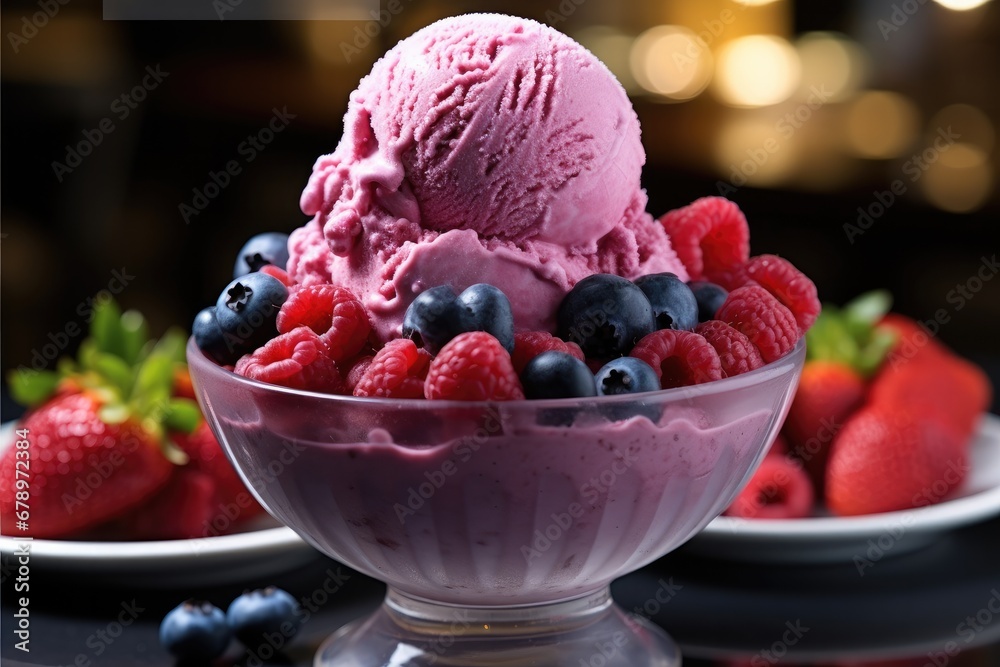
(82,471)
(936,383)
(180,510)
(886,459)
(829,392)
(911,338)
(207,457)
(97,436)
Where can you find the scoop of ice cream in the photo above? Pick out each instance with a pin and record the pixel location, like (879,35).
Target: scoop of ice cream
(483,148)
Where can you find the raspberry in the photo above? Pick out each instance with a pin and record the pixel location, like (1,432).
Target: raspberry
(760,317)
(530,344)
(680,358)
(736,353)
(357,371)
(333,313)
(709,235)
(789,285)
(396,371)
(778,490)
(473,366)
(296,359)
(279,273)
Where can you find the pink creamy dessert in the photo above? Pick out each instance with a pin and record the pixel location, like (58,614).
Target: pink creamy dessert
(483,148)
(488,503)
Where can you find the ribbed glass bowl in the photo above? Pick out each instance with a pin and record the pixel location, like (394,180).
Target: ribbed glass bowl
(499,511)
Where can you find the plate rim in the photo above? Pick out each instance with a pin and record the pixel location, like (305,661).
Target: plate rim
(136,554)
(939,516)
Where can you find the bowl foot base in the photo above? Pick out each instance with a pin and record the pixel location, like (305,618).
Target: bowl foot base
(589,631)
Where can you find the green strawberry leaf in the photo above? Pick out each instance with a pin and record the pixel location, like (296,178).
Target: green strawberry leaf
(183,415)
(829,340)
(106,328)
(874,353)
(862,313)
(30,387)
(155,374)
(135,333)
(113,369)
(172,345)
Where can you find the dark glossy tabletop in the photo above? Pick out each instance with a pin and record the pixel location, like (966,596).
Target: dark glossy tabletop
(923,606)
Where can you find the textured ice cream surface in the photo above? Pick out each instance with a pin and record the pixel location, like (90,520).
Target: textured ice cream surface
(483,148)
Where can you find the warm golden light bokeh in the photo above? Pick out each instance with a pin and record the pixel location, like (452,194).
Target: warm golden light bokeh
(881,124)
(756,71)
(668,60)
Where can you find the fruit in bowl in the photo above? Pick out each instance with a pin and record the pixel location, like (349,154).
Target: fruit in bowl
(115,446)
(881,421)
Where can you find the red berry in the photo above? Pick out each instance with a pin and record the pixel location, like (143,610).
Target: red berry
(778,490)
(473,366)
(709,235)
(886,459)
(530,344)
(680,358)
(736,353)
(296,359)
(205,455)
(279,273)
(396,371)
(358,371)
(760,317)
(181,510)
(332,312)
(789,285)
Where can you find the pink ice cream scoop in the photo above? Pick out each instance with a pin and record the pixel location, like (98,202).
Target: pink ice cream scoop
(483,148)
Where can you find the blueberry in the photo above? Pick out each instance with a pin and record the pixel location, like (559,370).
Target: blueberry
(556,374)
(626,375)
(261,250)
(247,311)
(433,318)
(484,307)
(605,315)
(195,631)
(209,337)
(710,298)
(673,302)
(260,616)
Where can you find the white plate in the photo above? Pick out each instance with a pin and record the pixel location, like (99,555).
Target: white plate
(863,539)
(269,549)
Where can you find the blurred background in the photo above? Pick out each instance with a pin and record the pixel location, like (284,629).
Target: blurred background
(859,136)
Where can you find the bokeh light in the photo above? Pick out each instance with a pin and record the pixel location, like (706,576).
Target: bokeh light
(749,150)
(832,62)
(758,70)
(961,5)
(960,181)
(970,123)
(881,124)
(669,61)
(612,47)
(754,3)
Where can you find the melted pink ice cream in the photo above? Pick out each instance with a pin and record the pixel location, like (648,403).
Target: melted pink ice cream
(483,148)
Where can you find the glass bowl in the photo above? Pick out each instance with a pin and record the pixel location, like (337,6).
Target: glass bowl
(497,526)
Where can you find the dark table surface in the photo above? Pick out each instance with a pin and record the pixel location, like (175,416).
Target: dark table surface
(917,608)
